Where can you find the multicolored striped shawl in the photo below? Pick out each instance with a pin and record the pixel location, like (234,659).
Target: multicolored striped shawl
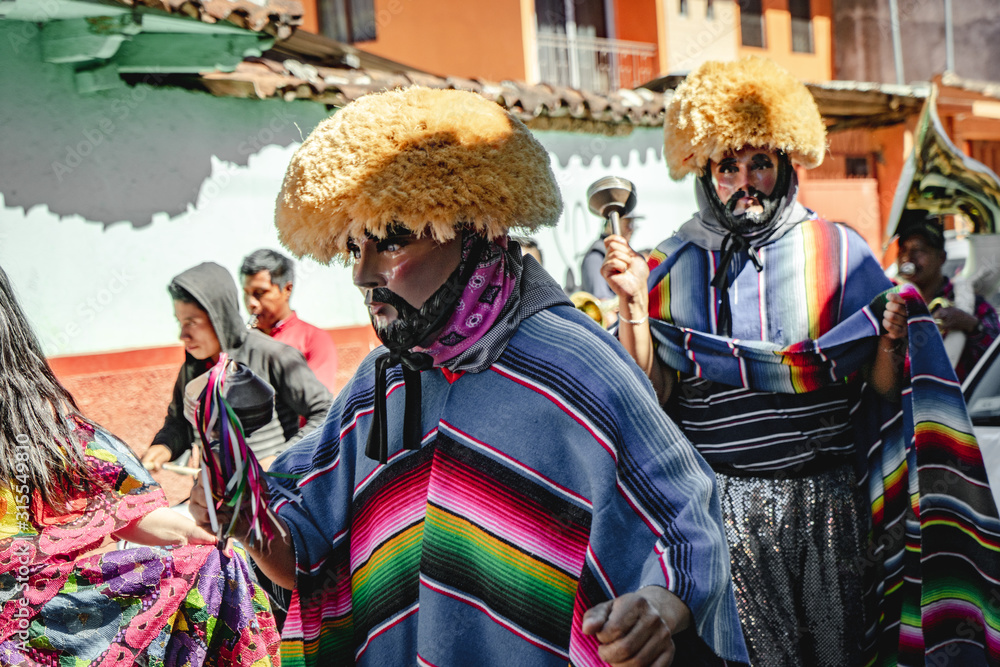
(546,484)
(933,564)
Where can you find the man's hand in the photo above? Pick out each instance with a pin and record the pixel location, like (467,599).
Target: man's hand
(155,457)
(955,319)
(275,558)
(894,317)
(625,270)
(636,629)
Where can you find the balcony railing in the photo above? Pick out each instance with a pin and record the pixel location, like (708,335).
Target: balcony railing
(594,63)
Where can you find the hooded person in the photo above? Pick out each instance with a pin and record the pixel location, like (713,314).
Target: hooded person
(206,307)
(772,339)
(497,484)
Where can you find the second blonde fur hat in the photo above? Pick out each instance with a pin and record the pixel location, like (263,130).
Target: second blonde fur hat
(723,106)
(431,160)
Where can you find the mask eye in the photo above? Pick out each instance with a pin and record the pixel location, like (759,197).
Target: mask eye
(728,167)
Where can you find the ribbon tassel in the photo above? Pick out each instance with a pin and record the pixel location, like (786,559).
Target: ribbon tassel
(230,475)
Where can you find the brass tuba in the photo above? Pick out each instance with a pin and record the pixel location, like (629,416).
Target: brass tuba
(939,302)
(603,312)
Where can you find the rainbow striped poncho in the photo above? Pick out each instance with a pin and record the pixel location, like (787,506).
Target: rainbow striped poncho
(543,486)
(933,564)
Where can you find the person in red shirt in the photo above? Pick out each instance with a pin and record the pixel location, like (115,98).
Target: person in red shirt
(267,288)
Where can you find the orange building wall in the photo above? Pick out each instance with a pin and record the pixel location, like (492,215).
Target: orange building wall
(828,190)
(853,201)
(635,20)
(310,17)
(815,66)
(452,37)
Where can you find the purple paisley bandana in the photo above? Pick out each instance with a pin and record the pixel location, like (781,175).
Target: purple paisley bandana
(481,302)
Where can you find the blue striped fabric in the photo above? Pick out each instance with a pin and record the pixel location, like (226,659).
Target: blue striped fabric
(801,290)
(932,565)
(555,461)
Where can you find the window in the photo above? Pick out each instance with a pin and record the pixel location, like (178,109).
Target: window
(857,167)
(588,16)
(752,23)
(802,35)
(682,7)
(347,20)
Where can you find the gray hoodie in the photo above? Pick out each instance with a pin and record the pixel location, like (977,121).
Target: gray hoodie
(297,392)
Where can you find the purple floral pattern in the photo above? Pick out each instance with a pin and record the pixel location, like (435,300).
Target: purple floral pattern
(124,607)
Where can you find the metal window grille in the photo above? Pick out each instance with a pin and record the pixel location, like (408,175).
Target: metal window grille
(594,63)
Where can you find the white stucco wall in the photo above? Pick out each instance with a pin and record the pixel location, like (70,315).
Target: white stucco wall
(105,197)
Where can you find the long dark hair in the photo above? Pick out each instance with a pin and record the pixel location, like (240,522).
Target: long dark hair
(40,441)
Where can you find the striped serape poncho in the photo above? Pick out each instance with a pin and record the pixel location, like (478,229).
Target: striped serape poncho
(933,563)
(544,485)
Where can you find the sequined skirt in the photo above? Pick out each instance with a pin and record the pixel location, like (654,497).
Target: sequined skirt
(793,545)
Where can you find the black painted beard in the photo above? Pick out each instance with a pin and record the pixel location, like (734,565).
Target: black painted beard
(414,326)
(749,220)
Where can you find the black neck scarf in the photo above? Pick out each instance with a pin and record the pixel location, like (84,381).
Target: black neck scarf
(435,312)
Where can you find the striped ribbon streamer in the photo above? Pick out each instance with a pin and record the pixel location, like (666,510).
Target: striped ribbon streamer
(231,475)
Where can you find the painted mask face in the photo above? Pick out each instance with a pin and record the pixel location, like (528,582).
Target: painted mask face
(402,277)
(746,184)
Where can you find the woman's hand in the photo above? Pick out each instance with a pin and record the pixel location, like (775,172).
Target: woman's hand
(198,507)
(164,527)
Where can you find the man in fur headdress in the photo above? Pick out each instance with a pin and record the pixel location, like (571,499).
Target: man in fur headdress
(497,485)
(771,339)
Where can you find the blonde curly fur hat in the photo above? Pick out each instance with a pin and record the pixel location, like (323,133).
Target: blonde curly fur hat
(429,159)
(723,106)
